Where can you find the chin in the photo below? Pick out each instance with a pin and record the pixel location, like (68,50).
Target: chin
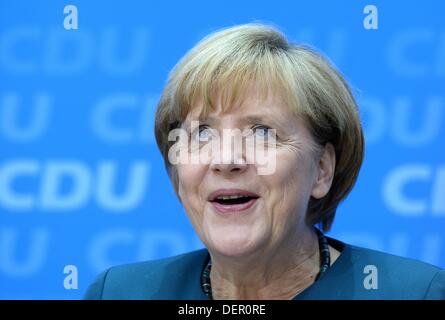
(235,245)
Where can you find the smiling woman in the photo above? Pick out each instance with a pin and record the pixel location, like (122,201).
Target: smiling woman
(248,89)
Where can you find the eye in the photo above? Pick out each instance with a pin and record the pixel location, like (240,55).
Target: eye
(261,131)
(203,133)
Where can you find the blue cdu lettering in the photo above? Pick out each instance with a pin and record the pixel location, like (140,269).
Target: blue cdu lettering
(32,256)
(402,120)
(139,110)
(68,53)
(9,173)
(429,42)
(135,191)
(57,52)
(12,44)
(37,118)
(49,191)
(133,245)
(52,199)
(110,51)
(395,193)
(430,121)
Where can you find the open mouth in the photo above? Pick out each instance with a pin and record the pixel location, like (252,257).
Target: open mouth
(232,200)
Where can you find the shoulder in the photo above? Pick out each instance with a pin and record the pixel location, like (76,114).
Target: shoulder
(170,278)
(388,276)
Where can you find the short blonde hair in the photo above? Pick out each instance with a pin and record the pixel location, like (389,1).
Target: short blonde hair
(230,61)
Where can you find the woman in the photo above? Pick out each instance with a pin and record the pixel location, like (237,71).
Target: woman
(256,212)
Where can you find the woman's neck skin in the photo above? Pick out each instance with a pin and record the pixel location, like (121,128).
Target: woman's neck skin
(276,273)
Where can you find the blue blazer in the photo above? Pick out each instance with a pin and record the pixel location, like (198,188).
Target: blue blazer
(357,273)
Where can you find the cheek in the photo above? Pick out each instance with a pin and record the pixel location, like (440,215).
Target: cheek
(189,182)
(290,167)
(290,185)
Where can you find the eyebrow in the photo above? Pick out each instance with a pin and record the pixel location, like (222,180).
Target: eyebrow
(243,120)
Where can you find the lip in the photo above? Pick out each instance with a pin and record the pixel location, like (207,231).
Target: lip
(233,208)
(231,192)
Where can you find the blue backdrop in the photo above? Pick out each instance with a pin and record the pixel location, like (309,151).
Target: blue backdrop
(82,182)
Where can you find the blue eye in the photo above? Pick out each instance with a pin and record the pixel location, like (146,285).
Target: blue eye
(261,131)
(204,133)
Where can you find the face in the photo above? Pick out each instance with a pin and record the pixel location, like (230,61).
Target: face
(272,210)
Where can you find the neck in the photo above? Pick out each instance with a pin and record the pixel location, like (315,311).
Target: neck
(274,273)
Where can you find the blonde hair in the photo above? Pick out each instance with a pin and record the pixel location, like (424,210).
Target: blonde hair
(227,63)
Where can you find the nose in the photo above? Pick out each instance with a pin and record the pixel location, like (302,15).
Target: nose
(229,168)
(228,161)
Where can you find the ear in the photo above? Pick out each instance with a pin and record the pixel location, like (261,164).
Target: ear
(325,172)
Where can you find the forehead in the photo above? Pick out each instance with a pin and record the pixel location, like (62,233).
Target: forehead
(251,107)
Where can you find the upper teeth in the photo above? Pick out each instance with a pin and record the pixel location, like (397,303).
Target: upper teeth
(231,197)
